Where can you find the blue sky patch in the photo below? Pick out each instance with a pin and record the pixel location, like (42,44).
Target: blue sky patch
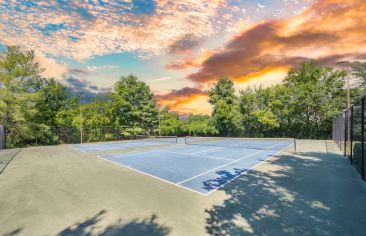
(141,7)
(49,29)
(73,38)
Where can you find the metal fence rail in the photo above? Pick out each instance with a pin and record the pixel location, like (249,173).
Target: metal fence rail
(349,134)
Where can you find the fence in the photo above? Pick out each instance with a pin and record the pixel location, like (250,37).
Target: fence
(95,134)
(349,135)
(2,137)
(66,135)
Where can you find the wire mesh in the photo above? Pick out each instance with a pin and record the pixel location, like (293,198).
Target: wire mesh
(349,134)
(2,137)
(158,139)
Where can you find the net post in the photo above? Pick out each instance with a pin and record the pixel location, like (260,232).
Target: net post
(185,139)
(295,145)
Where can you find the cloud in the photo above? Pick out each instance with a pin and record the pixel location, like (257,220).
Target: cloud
(329,31)
(183,100)
(52,69)
(184,44)
(160,79)
(89,70)
(260,5)
(85,89)
(80,30)
(186,63)
(78,71)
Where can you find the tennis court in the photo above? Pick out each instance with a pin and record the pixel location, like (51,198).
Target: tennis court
(200,164)
(140,141)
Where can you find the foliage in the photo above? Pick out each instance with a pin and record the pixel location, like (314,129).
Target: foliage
(316,96)
(200,125)
(20,91)
(360,72)
(303,107)
(225,113)
(170,124)
(31,107)
(133,107)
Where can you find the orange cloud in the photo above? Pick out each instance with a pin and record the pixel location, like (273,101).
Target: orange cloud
(329,31)
(189,62)
(184,101)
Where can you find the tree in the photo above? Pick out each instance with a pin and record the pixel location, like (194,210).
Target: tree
(258,117)
(359,71)
(20,84)
(316,96)
(133,107)
(170,124)
(54,98)
(225,113)
(223,90)
(200,125)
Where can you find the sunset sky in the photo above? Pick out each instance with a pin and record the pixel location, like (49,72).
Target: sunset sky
(179,48)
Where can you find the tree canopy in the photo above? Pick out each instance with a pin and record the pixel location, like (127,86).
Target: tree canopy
(303,106)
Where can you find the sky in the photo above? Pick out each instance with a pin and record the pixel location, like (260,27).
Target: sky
(180,48)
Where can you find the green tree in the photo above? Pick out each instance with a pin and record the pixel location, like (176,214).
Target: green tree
(133,107)
(198,125)
(258,117)
(225,113)
(20,84)
(359,71)
(170,124)
(54,97)
(316,97)
(96,121)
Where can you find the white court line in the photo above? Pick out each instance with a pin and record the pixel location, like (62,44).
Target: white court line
(78,149)
(222,185)
(192,190)
(128,144)
(139,171)
(209,150)
(189,155)
(245,157)
(133,153)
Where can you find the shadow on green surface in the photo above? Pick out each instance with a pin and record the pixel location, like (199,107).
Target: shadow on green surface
(147,226)
(6,156)
(311,194)
(14,232)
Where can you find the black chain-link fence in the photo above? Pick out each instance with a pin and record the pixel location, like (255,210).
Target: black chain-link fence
(98,134)
(69,135)
(349,135)
(2,137)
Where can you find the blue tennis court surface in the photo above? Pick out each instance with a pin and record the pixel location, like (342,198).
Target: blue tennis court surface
(200,168)
(92,147)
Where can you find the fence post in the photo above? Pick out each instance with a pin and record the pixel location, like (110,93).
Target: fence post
(350,135)
(345,133)
(363,138)
(2,137)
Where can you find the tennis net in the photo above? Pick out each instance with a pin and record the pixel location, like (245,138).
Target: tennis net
(158,139)
(247,143)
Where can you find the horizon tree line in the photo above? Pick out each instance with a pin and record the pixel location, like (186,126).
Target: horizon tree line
(303,106)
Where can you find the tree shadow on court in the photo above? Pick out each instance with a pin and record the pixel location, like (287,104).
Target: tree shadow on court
(310,194)
(146,226)
(225,176)
(14,232)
